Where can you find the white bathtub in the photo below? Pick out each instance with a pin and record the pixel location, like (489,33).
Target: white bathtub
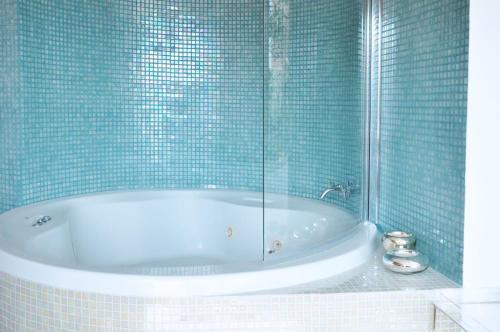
(182,243)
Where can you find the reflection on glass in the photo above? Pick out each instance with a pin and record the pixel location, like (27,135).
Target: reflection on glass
(313,118)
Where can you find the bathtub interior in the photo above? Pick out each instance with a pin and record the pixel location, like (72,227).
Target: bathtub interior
(128,232)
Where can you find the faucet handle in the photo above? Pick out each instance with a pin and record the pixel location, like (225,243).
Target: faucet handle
(346,191)
(352,185)
(332,183)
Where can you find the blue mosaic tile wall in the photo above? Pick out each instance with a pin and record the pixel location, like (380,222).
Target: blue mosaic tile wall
(423,122)
(10,115)
(140,94)
(169,94)
(314,98)
(109,95)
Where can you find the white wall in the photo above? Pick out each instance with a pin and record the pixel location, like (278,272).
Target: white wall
(482,179)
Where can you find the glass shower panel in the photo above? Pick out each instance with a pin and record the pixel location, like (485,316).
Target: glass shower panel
(314,121)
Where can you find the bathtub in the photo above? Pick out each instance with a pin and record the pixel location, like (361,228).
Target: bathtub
(182,243)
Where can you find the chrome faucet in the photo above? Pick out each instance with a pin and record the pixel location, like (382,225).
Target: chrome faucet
(344,190)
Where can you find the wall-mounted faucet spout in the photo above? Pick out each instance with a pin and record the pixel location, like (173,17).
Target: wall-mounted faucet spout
(344,190)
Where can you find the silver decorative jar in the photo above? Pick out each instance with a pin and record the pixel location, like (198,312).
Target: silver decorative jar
(398,240)
(405,261)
